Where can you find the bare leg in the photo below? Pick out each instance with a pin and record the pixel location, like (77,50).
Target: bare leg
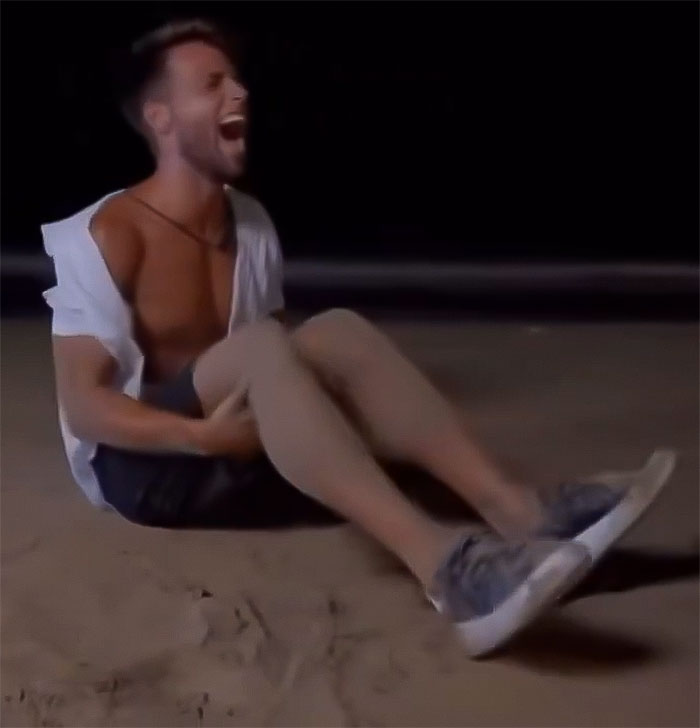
(310,442)
(406,417)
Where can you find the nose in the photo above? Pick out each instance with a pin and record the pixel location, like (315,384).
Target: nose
(238,91)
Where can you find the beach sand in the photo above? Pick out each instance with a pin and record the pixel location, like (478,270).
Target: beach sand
(109,623)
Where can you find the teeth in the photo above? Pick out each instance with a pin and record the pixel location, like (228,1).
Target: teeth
(232,118)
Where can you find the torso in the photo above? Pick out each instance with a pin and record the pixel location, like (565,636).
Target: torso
(182,293)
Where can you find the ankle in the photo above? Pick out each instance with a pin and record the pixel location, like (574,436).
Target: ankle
(443,540)
(518,514)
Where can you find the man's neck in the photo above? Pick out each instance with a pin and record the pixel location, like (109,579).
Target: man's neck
(199,204)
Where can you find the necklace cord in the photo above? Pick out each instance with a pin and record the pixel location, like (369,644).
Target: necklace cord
(182,228)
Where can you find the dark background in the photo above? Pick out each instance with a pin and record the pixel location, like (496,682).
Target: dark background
(394,131)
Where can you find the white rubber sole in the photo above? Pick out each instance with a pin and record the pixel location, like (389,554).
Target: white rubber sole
(569,565)
(643,486)
(556,575)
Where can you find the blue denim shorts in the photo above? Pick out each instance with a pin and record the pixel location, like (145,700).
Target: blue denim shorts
(192,491)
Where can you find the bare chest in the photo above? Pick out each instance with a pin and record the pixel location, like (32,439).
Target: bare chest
(182,299)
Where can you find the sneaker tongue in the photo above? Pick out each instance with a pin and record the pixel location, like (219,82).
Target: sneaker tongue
(574,506)
(591,496)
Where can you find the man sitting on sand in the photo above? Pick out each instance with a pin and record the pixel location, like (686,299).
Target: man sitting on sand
(178,379)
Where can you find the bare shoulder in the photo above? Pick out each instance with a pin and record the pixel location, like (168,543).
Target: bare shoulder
(115,229)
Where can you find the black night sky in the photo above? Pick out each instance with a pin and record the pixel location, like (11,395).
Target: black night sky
(394,131)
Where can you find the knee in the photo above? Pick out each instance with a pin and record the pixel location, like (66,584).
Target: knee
(266,338)
(267,326)
(336,328)
(341,319)
(335,317)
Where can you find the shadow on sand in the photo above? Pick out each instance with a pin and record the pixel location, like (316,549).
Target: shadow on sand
(560,644)
(278,505)
(556,643)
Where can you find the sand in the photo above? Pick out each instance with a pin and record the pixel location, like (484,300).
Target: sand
(108,623)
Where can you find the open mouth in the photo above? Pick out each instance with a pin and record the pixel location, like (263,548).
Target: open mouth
(233,126)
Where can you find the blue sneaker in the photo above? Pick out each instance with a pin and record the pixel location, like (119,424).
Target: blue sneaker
(596,514)
(491,588)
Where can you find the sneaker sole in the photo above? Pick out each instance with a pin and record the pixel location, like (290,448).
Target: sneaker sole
(567,567)
(643,487)
(557,574)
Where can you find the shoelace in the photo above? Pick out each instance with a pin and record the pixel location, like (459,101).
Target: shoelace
(590,495)
(478,568)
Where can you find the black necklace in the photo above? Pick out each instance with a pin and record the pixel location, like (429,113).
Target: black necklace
(182,228)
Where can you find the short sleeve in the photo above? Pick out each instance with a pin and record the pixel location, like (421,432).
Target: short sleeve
(272,274)
(83,301)
(69,317)
(70,299)
(274,298)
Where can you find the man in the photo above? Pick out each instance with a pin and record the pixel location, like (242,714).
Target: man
(177,382)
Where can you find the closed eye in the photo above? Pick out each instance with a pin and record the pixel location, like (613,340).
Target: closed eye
(214,80)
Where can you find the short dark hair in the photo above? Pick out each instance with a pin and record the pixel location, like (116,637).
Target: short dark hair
(137,68)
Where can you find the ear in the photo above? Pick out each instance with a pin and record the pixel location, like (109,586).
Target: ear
(156,116)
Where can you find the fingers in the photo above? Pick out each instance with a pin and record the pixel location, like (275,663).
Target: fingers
(233,403)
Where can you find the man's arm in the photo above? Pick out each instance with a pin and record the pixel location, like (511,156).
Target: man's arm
(98,413)
(84,372)
(84,369)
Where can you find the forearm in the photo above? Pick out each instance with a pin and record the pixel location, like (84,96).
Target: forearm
(110,417)
(106,416)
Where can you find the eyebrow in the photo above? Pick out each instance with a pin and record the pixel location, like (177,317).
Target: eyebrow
(218,75)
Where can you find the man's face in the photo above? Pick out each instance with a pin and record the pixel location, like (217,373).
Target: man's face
(208,110)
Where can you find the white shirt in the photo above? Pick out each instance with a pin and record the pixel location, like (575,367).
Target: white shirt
(86,301)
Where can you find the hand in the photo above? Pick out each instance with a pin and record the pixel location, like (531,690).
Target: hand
(230,430)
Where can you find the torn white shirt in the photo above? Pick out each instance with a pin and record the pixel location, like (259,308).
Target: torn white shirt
(86,301)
